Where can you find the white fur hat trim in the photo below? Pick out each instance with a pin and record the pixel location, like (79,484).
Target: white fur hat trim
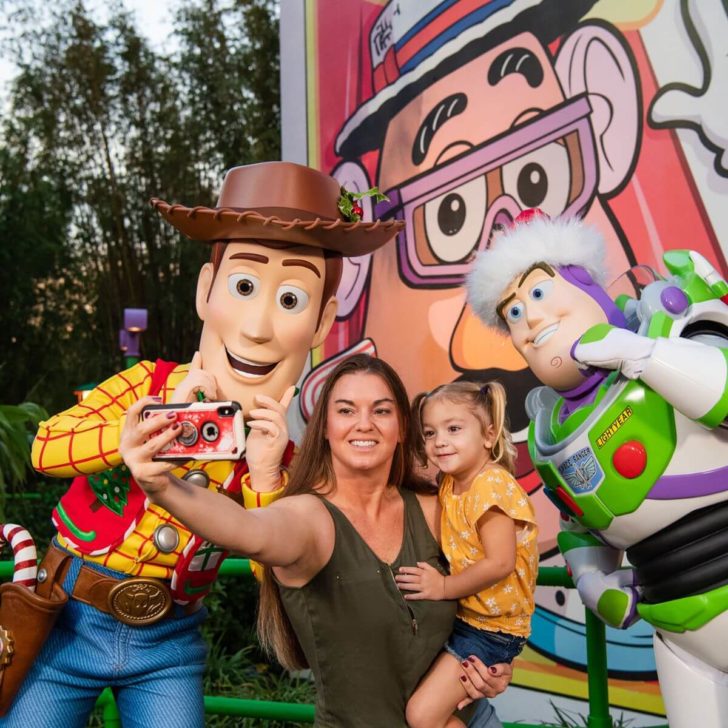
(557,241)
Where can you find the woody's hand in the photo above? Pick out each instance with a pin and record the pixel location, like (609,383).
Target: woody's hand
(267,440)
(197,380)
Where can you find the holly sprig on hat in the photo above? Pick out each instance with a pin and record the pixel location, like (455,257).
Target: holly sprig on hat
(349,206)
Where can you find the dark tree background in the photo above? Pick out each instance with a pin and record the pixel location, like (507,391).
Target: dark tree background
(96,124)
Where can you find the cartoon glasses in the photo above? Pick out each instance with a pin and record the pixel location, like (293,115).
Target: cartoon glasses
(451,211)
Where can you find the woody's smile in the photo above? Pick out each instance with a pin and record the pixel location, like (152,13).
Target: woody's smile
(247,368)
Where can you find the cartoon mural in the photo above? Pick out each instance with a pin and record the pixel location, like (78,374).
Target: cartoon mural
(464,113)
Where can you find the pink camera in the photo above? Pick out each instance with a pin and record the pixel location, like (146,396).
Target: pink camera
(209,431)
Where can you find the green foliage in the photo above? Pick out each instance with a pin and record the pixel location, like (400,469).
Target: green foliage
(349,202)
(18,424)
(236,665)
(569,719)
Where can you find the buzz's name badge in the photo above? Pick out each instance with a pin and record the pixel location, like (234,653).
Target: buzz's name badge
(581,471)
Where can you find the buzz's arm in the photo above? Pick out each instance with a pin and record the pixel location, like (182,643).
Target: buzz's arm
(689,375)
(603,586)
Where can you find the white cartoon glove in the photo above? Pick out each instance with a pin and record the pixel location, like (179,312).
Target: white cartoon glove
(607,347)
(612,597)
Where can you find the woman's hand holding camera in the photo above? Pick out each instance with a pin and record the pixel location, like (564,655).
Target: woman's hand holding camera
(141,440)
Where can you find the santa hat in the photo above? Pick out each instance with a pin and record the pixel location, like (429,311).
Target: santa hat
(533,238)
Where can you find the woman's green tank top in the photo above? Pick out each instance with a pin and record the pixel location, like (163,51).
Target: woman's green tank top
(366,645)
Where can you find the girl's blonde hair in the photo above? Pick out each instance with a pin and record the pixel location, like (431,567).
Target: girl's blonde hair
(487,402)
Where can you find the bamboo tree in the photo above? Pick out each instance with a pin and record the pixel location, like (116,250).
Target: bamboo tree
(97,123)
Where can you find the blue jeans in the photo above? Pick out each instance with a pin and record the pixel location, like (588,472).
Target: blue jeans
(490,647)
(485,716)
(155,671)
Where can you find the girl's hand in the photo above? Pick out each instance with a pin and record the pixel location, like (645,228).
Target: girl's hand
(423,580)
(141,440)
(197,380)
(267,440)
(480,681)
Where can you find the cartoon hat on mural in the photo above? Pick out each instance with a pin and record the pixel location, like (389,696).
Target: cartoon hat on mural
(414,43)
(280,201)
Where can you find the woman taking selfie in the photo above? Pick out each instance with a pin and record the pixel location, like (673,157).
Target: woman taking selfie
(352,514)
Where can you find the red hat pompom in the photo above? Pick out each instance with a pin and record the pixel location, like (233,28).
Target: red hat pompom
(529,214)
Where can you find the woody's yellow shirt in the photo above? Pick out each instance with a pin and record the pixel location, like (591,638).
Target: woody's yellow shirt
(85,439)
(507,605)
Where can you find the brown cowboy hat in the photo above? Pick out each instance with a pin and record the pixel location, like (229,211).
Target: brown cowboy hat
(279,201)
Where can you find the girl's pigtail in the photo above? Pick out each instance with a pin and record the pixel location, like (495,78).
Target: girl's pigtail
(503,450)
(419,438)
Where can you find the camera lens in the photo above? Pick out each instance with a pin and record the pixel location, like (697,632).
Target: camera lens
(210,432)
(188,435)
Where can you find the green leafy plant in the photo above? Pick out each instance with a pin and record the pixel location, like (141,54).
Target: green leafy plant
(18,424)
(349,206)
(568,719)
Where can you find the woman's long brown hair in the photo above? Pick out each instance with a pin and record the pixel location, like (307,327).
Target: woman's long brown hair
(313,473)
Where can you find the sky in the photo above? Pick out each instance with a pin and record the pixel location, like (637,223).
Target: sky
(153,19)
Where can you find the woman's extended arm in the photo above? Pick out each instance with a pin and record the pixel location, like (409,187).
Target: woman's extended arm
(283,534)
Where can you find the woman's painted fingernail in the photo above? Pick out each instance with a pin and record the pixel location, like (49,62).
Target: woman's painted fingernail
(471,659)
(463,678)
(465,663)
(171,415)
(176,426)
(156,398)
(492,670)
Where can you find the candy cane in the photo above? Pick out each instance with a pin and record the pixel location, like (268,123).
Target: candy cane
(24,554)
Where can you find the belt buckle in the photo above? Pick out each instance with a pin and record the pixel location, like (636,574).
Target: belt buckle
(139,601)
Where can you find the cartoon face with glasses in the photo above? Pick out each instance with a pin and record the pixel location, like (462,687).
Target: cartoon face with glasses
(510,129)
(451,210)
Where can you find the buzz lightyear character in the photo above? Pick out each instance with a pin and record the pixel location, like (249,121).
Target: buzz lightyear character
(629,436)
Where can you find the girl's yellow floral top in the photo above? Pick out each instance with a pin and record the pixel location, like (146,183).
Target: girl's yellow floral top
(507,605)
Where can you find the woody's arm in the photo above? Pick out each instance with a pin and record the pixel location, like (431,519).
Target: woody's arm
(85,438)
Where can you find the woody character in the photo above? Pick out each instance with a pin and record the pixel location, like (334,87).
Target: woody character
(135,575)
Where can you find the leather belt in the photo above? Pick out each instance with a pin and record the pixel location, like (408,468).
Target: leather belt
(136,600)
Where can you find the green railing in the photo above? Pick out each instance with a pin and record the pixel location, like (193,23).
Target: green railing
(596,659)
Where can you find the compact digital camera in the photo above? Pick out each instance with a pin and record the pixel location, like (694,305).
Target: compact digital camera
(209,431)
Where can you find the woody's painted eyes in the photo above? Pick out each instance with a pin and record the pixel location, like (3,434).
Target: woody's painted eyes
(292,299)
(243,286)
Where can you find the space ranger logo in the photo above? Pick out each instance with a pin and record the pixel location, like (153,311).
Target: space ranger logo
(581,471)
(619,420)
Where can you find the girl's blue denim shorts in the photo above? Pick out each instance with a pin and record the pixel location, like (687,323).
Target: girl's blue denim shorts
(490,647)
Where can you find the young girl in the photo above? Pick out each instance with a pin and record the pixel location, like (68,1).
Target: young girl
(488,536)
